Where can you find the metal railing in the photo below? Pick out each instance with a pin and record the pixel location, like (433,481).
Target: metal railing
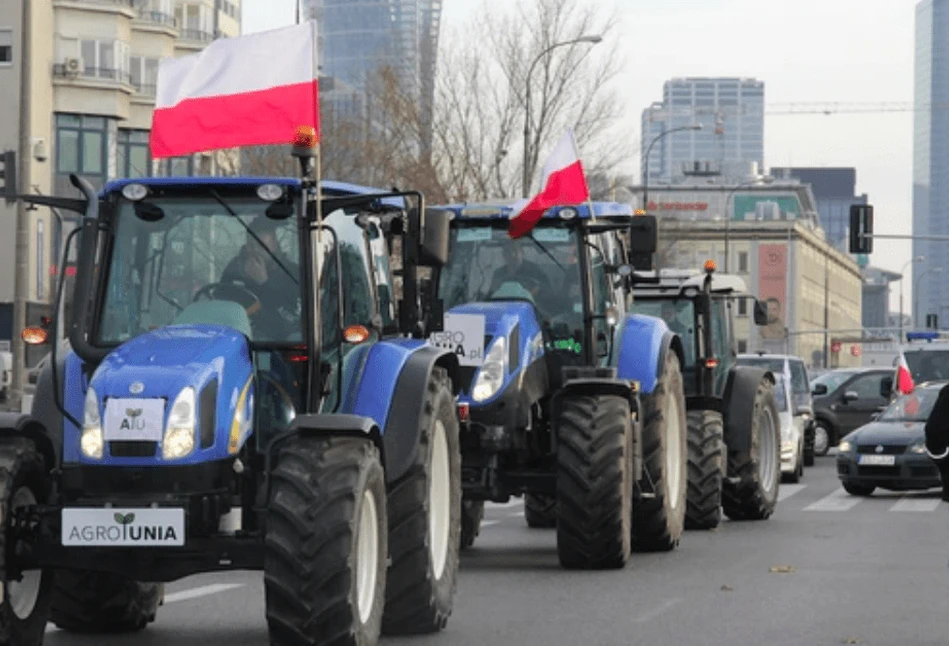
(145,89)
(157,17)
(196,35)
(96,73)
(121,3)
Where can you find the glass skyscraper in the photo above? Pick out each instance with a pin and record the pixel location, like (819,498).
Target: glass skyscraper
(931,157)
(731,111)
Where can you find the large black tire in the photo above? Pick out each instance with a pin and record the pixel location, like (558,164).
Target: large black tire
(327,509)
(424,551)
(98,602)
(594,482)
(540,511)
(23,482)
(862,490)
(658,522)
(809,436)
(750,491)
(706,470)
(472,513)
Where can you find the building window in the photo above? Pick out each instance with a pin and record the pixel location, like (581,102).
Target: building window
(134,159)
(743,261)
(108,59)
(143,74)
(742,307)
(6,47)
(81,145)
(742,346)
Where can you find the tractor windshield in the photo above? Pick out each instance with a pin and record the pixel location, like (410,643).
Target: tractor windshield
(541,268)
(192,260)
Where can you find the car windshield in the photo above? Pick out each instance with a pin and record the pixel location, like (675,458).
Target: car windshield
(679,315)
(541,268)
(832,380)
(160,265)
(928,365)
(777,366)
(914,407)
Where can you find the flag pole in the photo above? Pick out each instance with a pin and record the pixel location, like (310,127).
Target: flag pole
(589,194)
(319,144)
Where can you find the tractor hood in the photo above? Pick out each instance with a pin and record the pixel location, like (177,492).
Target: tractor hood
(500,317)
(162,362)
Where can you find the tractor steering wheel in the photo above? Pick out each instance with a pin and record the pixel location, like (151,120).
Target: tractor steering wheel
(231,291)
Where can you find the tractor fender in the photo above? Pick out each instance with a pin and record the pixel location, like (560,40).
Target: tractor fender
(737,413)
(25,426)
(641,350)
(401,434)
(315,424)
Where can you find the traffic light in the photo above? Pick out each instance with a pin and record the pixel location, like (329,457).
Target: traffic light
(861,224)
(8,175)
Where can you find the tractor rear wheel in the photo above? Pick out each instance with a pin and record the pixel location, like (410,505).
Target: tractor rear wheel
(325,543)
(85,601)
(594,482)
(750,491)
(24,608)
(472,513)
(425,521)
(706,470)
(540,511)
(658,522)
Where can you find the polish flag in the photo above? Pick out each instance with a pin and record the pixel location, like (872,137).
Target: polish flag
(249,91)
(904,379)
(564,185)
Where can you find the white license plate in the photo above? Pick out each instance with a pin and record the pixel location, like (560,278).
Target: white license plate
(112,527)
(134,420)
(878,460)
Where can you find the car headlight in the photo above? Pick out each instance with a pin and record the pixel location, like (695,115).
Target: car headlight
(845,446)
(178,441)
(91,442)
(491,376)
(918,447)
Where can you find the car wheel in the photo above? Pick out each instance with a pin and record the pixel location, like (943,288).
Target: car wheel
(858,489)
(822,435)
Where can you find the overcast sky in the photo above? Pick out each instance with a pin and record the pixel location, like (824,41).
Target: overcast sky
(803,50)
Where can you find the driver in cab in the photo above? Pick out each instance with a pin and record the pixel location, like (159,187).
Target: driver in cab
(518,270)
(272,278)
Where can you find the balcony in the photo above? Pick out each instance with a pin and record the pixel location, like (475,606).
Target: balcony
(196,36)
(157,18)
(123,7)
(96,74)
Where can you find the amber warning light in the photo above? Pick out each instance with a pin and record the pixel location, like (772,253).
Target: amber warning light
(35,335)
(305,137)
(709,266)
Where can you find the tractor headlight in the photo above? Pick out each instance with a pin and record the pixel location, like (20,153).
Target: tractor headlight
(91,442)
(179,432)
(491,376)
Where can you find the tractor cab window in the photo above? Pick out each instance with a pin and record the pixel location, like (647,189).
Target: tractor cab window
(186,259)
(679,315)
(541,268)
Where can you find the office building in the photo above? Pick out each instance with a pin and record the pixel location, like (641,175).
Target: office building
(731,141)
(931,156)
(86,107)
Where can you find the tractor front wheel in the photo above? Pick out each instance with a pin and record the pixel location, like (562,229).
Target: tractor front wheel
(540,511)
(98,602)
(325,543)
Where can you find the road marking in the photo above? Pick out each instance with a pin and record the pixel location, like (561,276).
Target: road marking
(840,500)
(513,502)
(517,514)
(916,504)
(655,612)
(488,523)
(788,490)
(184,595)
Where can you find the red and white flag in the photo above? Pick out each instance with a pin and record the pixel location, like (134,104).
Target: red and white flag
(904,378)
(564,185)
(248,91)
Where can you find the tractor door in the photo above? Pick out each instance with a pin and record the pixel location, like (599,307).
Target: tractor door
(722,347)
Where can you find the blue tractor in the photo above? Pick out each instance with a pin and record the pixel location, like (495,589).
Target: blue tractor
(573,401)
(240,390)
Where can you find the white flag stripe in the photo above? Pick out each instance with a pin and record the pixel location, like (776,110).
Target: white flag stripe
(563,154)
(239,65)
(917,504)
(788,490)
(840,500)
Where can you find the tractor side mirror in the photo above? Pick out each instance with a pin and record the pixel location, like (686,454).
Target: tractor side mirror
(761,313)
(886,387)
(643,241)
(434,247)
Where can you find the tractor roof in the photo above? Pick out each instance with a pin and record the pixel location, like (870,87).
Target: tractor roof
(329,187)
(681,281)
(504,209)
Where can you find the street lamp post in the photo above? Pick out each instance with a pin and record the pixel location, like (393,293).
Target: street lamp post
(645,171)
(902,271)
(916,283)
(526,179)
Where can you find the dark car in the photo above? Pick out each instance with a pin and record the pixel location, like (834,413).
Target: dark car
(844,400)
(890,451)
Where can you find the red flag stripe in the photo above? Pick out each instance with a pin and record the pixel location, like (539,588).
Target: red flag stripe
(259,118)
(566,186)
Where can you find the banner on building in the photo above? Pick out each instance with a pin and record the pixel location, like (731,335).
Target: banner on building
(772,287)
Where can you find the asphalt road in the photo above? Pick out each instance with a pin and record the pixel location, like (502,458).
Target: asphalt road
(827,568)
